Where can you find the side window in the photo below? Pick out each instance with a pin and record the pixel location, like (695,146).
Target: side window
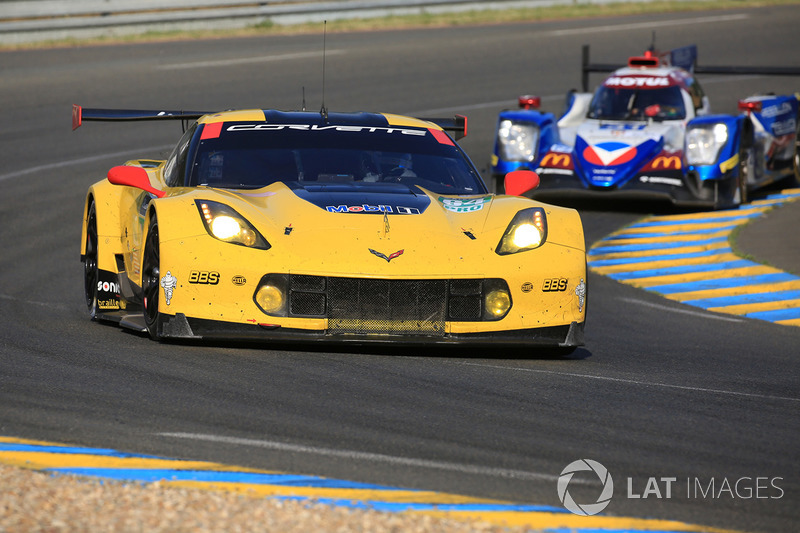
(175,167)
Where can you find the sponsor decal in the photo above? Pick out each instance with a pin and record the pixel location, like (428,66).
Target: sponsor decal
(107,305)
(784,128)
(561,148)
(317,127)
(554,285)
(557,160)
(580,292)
(407,210)
(665,162)
(675,182)
(560,171)
(639,82)
(526,287)
(462,205)
(609,154)
(388,258)
(288,230)
(775,110)
(622,127)
(202,277)
(239,280)
(108,286)
(168,283)
(363,208)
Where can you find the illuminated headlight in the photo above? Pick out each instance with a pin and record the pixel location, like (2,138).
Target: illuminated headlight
(518,141)
(528,230)
(224,223)
(271,295)
(704,142)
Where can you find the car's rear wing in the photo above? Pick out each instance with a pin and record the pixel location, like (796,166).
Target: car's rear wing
(79,114)
(457,124)
(686,58)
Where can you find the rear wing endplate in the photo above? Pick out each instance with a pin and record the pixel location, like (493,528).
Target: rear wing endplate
(457,125)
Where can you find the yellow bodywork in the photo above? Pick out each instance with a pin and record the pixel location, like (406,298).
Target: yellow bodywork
(547,284)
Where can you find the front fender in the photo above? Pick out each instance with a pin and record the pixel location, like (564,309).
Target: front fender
(727,161)
(548,135)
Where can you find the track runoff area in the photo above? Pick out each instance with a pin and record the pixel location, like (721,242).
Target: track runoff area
(61,459)
(688,258)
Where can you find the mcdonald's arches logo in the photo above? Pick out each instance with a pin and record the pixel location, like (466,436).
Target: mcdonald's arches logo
(557,160)
(666,162)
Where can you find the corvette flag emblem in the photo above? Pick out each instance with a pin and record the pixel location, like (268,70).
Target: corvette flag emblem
(388,258)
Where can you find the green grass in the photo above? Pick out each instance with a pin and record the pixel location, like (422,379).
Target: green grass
(424,20)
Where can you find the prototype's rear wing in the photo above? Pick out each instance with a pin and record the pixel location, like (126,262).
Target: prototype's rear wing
(686,58)
(456,124)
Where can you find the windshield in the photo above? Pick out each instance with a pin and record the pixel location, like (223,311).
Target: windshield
(248,155)
(616,103)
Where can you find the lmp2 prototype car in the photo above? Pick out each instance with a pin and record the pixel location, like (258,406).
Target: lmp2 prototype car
(360,227)
(648,131)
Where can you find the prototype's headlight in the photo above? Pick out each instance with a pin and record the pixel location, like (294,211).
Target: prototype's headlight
(518,141)
(224,223)
(528,230)
(703,143)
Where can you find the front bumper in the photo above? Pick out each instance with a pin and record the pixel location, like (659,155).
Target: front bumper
(686,190)
(181,327)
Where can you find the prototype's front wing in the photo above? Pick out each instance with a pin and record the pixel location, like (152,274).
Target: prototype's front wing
(660,181)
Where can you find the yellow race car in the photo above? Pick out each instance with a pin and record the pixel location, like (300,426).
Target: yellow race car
(325,226)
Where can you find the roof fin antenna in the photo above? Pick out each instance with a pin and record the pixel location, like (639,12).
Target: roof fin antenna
(324,110)
(653,42)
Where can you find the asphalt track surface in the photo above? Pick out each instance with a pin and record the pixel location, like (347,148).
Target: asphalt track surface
(660,390)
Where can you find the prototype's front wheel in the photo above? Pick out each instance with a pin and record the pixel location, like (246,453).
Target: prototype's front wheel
(745,169)
(91,273)
(151,275)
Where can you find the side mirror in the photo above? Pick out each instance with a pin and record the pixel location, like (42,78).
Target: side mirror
(133,177)
(518,182)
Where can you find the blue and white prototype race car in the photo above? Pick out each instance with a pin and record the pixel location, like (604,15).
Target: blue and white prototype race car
(648,131)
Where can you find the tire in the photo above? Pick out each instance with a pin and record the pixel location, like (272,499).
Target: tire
(91,272)
(151,276)
(745,156)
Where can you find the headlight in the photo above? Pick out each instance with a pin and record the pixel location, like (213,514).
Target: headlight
(528,230)
(272,294)
(224,223)
(704,142)
(518,141)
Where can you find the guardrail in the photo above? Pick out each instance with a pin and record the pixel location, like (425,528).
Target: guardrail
(37,20)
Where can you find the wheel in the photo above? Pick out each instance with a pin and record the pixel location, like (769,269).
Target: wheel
(745,169)
(91,273)
(733,191)
(151,287)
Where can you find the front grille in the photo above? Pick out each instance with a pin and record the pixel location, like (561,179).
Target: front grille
(385,307)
